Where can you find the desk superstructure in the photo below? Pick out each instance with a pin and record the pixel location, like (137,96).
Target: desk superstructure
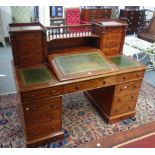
(114,92)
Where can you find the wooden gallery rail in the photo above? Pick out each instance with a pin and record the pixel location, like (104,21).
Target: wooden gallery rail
(68,31)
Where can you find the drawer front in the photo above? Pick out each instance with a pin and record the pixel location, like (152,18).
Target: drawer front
(111,51)
(123,108)
(25,51)
(112,37)
(80,86)
(92,84)
(41,94)
(48,117)
(131,76)
(29,44)
(30,60)
(111,44)
(114,30)
(128,88)
(28,36)
(42,130)
(42,106)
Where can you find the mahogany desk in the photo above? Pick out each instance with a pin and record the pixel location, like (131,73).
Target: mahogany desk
(113,93)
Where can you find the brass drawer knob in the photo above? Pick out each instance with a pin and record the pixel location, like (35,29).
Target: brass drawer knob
(27,108)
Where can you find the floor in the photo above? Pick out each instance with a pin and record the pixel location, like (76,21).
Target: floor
(7,83)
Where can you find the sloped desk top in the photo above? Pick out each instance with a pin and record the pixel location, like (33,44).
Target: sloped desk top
(69,66)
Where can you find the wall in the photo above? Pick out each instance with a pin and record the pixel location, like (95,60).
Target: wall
(6,18)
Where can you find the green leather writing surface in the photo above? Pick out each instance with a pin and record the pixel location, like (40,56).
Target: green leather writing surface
(122,61)
(81,62)
(35,75)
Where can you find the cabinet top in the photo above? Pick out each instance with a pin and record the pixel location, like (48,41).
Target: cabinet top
(109,22)
(25,27)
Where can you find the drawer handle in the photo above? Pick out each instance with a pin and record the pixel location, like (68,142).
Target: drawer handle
(130,106)
(138,74)
(117,110)
(33,109)
(53,128)
(53,106)
(132,96)
(124,77)
(104,82)
(27,108)
(52,92)
(135,86)
(77,87)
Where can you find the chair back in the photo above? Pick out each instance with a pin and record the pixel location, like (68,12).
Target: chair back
(72,16)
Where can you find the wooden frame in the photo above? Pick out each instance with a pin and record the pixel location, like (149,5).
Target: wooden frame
(62,77)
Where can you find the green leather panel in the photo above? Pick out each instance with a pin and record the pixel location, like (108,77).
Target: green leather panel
(36,75)
(81,62)
(122,62)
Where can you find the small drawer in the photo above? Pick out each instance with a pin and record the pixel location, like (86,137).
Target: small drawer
(113,30)
(42,130)
(28,36)
(107,81)
(128,88)
(29,44)
(42,106)
(80,86)
(113,36)
(41,94)
(32,118)
(131,76)
(123,108)
(125,98)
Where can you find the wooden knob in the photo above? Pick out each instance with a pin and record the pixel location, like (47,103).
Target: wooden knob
(33,109)
(138,74)
(53,106)
(132,96)
(53,128)
(117,110)
(135,86)
(77,87)
(35,133)
(52,92)
(104,82)
(121,89)
(130,106)
(52,117)
(124,77)
(32,95)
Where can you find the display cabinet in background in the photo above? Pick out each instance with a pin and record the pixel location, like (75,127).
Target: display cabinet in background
(56,15)
(135,19)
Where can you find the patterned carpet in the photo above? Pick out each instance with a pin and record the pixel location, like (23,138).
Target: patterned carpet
(81,122)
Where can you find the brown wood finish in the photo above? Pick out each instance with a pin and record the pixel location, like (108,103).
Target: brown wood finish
(28,44)
(111,37)
(41,103)
(89,15)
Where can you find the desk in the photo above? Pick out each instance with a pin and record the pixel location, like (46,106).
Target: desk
(114,93)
